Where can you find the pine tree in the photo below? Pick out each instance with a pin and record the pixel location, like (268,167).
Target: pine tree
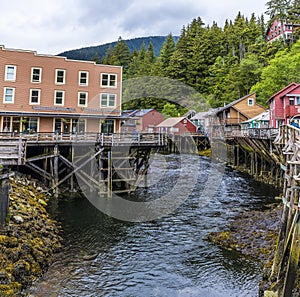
(108,58)
(163,60)
(121,54)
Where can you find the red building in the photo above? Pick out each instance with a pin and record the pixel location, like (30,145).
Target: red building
(177,126)
(144,120)
(277,29)
(284,105)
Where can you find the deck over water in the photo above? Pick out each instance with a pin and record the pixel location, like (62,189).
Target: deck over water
(13,145)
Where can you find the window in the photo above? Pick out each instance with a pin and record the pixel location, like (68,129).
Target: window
(82,98)
(78,125)
(29,125)
(108,100)
(6,125)
(107,126)
(60,76)
(9,95)
(250,102)
(34,96)
(108,80)
(10,72)
(297,100)
(36,75)
(83,78)
(291,101)
(59,98)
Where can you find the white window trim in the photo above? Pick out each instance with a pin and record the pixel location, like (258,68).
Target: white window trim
(108,94)
(250,100)
(108,86)
(39,97)
(15,72)
(86,99)
(64,80)
(87,78)
(13,95)
(63,98)
(40,80)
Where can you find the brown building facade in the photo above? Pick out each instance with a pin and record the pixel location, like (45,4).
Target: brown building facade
(43,93)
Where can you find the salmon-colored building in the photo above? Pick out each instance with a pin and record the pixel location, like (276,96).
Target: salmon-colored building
(44,93)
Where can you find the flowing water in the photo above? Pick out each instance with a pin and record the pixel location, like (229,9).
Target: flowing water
(170,256)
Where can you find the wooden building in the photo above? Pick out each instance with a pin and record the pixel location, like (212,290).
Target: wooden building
(177,126)
(43,93)
(143,120)
(284,105)
(231,115)
(279,30)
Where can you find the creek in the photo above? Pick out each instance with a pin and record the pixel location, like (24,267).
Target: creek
(168,256)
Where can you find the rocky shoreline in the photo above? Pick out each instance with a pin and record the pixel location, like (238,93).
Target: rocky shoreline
(30,239)
(254,234)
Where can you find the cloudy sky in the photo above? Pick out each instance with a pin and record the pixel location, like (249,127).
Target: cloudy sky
(53,26)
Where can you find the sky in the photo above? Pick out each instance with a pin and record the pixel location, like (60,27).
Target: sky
(54,26)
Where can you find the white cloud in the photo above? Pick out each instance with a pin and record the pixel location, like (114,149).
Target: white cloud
(53,26)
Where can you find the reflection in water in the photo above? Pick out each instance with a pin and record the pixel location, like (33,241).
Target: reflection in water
(166,257)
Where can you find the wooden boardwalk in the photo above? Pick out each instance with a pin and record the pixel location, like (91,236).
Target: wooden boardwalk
(58,158)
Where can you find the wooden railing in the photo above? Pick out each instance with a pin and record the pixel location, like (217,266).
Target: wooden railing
(260,133)
(159,139)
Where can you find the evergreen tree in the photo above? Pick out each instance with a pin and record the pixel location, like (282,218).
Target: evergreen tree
(108,58)
(283,69)
(96,58)
(163,60)
(121,54)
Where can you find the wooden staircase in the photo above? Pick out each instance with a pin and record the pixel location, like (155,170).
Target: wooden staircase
(12,152)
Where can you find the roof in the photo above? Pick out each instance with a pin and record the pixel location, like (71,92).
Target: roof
(170,122)
(264,116)
(234,102)
(137,112)
(282,90)
(142,112)
(199,115)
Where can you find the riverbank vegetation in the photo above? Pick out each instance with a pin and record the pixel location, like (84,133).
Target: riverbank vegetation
(30,238)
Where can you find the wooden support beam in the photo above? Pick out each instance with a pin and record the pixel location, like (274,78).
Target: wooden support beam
(293,261)
(4,195)
(77,169)
(38,170)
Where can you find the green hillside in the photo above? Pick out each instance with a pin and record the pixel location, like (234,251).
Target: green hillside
(87,53)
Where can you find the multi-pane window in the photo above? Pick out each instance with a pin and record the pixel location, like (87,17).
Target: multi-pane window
(108,80)
(35,96)
(297,100)
(60,76)
(9,95)
(83,78)
(59,97)
(36,75)
(78,125)
(82,98)
(10,72)
(29,125)
(107,100)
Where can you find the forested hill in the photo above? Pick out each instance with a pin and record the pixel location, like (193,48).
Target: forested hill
(89,53)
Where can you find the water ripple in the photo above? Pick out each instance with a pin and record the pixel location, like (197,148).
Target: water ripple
(168,257)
